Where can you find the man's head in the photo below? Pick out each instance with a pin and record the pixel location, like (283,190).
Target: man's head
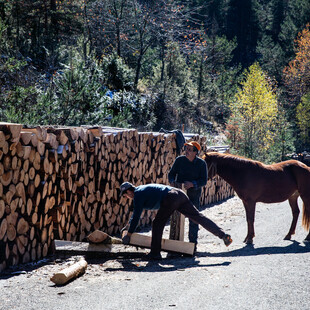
(191,149)
(125,188)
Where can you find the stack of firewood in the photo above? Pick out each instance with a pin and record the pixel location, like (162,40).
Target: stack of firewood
(63,183)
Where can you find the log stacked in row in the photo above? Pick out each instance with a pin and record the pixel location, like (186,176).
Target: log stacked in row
(63,183)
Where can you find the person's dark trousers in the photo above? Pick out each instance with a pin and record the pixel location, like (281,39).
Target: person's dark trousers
(194,196)
(176,199)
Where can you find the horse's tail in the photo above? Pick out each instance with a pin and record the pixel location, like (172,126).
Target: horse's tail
(306,216)
(302,175)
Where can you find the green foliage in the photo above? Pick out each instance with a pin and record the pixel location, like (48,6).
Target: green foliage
(303,118)
(75,95)
(18,106)
(174,88)
(271,56)
(254,112)
(130,110)
(118,76)
(216,80)
(283,142)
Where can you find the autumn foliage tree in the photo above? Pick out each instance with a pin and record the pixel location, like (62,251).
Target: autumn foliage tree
(254,112)
(297,73)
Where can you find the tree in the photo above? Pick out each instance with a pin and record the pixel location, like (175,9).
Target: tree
(254,110)
(303,118)
(297,74)
(211,71)
(75,95)
(242,24)
(175,89)
(108,24)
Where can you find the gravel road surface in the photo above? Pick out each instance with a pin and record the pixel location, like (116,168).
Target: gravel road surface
(271,274)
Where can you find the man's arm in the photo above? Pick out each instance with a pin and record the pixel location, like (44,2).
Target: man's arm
(203,175)
(173,172)
(133,222)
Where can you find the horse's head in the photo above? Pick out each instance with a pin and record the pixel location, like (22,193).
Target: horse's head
(211,164)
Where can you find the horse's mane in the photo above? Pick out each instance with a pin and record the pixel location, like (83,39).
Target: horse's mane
(235,160)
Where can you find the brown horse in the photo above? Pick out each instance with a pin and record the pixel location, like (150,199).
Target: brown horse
(255,182)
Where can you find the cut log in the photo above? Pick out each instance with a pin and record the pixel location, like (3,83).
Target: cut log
(12,129)
(166,244)
(3,228)
(101,237)
(22,226)
(70,273)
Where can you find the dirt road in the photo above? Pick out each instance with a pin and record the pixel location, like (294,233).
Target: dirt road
(271,274)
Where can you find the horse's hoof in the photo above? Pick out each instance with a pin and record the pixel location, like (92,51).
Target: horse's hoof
(248,241)
(287,237)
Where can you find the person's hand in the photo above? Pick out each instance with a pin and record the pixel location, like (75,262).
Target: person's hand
(188,185)
(126,239)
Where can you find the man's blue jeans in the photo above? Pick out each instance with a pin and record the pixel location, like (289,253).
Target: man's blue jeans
(177,200)
(194,197)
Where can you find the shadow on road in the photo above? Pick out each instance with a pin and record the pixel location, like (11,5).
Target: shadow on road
(165,265)
(250,250)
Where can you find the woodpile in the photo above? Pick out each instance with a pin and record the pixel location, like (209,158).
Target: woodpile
(216,190)
(63,183)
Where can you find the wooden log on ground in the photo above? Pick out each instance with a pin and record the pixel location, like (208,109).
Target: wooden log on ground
(70,273)
(166,244)
(101,237)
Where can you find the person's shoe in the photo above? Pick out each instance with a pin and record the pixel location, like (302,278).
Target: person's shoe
(153,256)
(227,240)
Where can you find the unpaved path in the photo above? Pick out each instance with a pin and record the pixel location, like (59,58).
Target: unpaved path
(272,274)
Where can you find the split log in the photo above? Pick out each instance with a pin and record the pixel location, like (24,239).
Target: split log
(70,273)
(101,237)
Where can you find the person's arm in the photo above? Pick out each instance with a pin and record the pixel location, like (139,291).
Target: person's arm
(203,176)
(133,222)
(173,172)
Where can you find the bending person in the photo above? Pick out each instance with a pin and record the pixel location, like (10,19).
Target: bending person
(166,200)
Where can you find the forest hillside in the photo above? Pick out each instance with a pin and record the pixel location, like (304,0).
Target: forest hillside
(238,67)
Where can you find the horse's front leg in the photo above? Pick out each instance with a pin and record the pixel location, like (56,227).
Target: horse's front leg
(250,215)
(295,212)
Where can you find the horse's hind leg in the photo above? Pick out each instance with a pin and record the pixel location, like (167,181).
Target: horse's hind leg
(295,212)
(250,215)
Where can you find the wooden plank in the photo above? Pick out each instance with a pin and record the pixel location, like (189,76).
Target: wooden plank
(166,244)
(98,250)
(76,246)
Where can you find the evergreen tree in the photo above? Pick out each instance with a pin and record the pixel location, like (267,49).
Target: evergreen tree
(242,24)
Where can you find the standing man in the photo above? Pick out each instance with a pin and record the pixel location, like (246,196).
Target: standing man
(166,200)
(190,170)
